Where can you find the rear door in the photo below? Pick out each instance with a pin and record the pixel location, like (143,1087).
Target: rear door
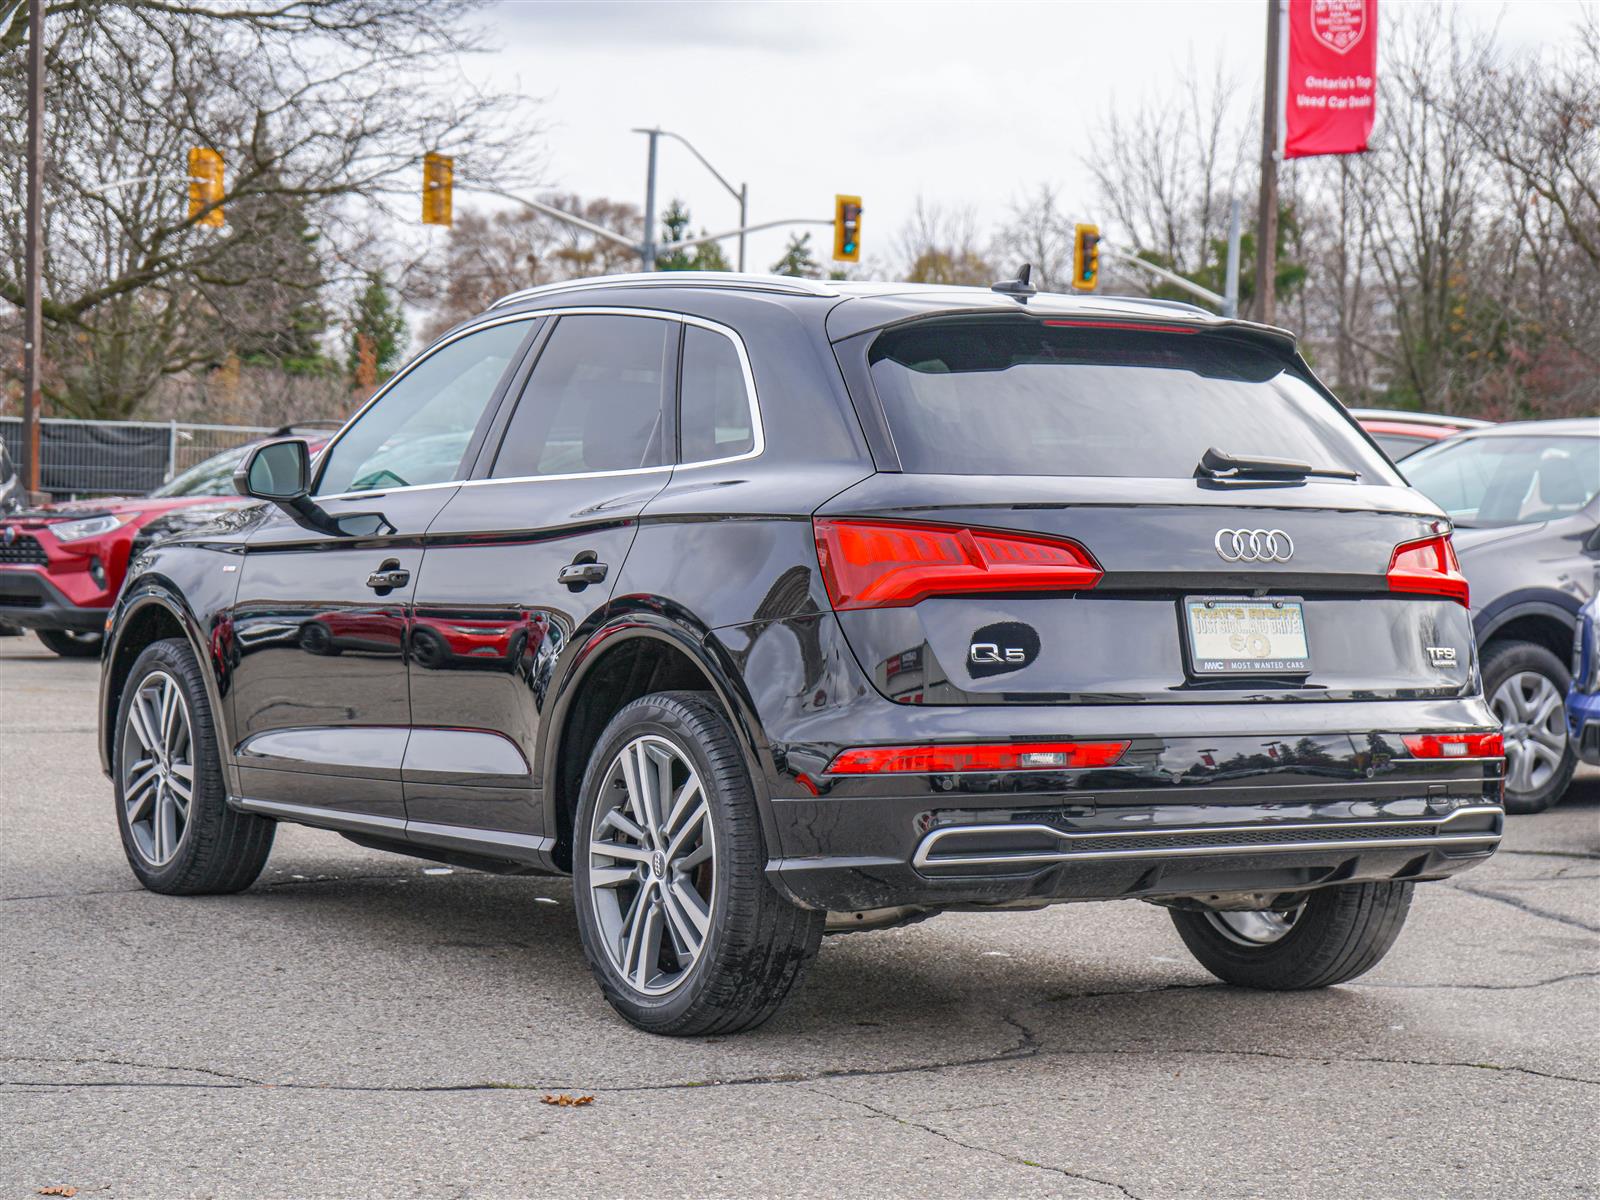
(1054,443)
(521,561)
(319,692)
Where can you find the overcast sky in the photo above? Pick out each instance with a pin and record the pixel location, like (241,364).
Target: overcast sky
(969,103)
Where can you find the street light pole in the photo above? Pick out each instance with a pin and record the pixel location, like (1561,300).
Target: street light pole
(33,266)
(647,251)
(740,193)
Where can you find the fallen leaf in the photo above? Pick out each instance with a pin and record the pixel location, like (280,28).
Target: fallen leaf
(564,1100)
(58,1190)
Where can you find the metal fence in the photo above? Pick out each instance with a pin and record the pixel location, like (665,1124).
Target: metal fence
(120,458)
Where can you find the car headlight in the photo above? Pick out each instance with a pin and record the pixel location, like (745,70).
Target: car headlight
(76,531)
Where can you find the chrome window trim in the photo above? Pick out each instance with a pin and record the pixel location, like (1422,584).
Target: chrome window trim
(326,454)
(751,398)
(924,856)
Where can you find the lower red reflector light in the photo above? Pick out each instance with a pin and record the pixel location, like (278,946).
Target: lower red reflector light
(1455,745)
(939,760)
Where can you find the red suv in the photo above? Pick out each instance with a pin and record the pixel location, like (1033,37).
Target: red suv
(61,564)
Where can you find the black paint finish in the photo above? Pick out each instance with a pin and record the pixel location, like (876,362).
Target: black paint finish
(451,716)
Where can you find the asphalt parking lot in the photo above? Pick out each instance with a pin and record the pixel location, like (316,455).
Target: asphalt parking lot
(360,1024)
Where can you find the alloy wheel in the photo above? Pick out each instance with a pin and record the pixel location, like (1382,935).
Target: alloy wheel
(1254,928)
(1535,729)
(652,865)
(157,768)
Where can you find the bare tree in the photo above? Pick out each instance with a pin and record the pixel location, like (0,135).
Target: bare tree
(1167,169)
(488,255)
(321,109)
(1039,233)
(942,245)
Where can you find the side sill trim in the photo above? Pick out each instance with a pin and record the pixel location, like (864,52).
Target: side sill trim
(328,818)
(924,857)
(463,835)
(494,842)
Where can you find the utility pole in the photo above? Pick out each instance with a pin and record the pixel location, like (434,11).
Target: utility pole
(1267,219)
(33,265)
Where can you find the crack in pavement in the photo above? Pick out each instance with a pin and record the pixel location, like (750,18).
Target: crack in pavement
(1523,906)
(1552,853)
(1028,1046)
(1484,987)
(1017,1160)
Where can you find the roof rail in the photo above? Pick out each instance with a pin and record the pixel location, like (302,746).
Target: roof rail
(723,279)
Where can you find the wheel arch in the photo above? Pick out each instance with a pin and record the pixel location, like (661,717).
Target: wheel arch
(151,613)
(632,654)
(1545,618)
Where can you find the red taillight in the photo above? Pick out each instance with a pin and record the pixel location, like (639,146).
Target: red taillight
(886,564)
(938,760)
(1428,566)
(1455,745)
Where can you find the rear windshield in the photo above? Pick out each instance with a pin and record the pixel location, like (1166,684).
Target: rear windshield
(1025,397)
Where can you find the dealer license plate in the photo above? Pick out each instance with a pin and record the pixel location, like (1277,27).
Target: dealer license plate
(1233,636)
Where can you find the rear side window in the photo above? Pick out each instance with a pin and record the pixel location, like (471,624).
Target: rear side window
(1025,397)
(595,400)
(714,407)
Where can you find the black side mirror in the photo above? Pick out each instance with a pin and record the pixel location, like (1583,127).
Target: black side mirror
(279,471)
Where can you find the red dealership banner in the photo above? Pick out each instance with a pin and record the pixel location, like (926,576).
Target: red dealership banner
(1332,77)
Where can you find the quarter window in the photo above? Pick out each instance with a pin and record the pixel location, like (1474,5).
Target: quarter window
(714,418)
(595,401)
(418,430)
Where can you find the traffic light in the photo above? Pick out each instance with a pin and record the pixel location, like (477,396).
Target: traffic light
(847,229)
(1085,257)
(438,173)
(205,186)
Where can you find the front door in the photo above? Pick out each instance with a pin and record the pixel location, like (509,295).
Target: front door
(320,701)
(521,561)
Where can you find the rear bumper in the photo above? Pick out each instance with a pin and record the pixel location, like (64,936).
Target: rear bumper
(966,857)
(28,598)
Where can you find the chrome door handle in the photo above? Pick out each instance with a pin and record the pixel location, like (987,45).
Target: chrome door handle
(580,575)
(386,579)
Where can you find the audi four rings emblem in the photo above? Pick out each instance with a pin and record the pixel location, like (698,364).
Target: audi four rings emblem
(1253,545)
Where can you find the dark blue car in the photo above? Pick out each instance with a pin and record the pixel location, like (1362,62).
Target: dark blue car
(1583,701)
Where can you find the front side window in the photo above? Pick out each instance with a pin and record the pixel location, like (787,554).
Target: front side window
(714,418)
(418,430)
(595,400)
(1508,480)
(1030,397)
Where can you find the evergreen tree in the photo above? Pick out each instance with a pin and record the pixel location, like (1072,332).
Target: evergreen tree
(797,260)
(707,256)
(377,333)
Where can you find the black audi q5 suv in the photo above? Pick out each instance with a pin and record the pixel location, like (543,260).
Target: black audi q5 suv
(768,608)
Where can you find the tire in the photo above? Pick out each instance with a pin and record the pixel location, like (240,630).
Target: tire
(69,643)
(755,945)
(215,849)
(1340,933)
(1519,680)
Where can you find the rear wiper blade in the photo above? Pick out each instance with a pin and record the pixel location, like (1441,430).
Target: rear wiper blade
(1219,464)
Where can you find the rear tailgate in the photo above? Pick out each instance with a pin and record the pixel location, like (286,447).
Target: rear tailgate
(1083,439)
